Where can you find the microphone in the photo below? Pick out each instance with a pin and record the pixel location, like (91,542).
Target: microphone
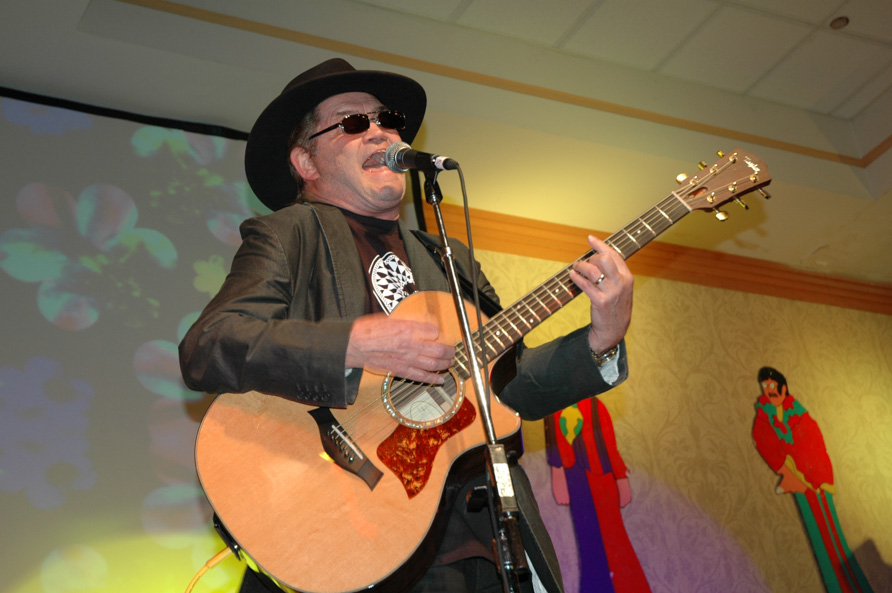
(400,157)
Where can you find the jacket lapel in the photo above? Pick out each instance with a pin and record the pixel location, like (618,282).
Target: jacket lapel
(345,262)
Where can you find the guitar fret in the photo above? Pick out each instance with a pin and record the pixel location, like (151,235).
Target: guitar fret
(620,251)
(568,288)
(637,228)
(495,336)
(461,360)
(522,319)
(553,295)
(533,311)
(536,296)
(660,210)
(659,223)
(644,222)
(628,234)
(511,326)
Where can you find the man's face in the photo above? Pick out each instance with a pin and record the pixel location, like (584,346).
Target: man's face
(348,170)
(770,390)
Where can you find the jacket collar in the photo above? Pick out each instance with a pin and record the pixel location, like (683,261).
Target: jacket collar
(347,266)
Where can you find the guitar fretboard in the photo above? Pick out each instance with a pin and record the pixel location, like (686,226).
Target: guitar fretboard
(507,327)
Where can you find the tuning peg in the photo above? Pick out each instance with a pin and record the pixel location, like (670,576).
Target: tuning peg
(741,203)
(681,178)
(764,194)
(720,214)
(702,165)
(720,153)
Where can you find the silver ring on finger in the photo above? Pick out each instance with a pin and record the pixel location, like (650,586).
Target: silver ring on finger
(599,280)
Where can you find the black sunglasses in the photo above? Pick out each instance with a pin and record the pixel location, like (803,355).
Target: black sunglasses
(360,122)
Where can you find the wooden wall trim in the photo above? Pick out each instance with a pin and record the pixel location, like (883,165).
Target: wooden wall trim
(504,233)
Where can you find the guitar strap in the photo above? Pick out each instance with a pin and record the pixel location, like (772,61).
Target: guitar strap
(487,305)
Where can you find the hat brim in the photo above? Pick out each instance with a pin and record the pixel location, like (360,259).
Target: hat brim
(267,151)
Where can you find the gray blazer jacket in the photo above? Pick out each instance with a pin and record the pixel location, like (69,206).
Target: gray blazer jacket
(281,322)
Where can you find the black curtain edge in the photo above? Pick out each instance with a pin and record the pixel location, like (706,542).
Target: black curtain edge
(162,122)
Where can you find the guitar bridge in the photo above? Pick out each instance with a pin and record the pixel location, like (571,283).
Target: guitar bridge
(343,450)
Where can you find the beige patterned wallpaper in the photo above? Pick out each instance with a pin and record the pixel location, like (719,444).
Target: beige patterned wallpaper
(704,514)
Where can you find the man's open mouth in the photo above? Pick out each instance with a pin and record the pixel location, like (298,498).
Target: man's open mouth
(375,161)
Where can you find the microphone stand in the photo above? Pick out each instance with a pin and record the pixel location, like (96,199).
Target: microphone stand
(501,501)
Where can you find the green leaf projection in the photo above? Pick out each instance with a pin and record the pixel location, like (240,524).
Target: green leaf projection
(113,236)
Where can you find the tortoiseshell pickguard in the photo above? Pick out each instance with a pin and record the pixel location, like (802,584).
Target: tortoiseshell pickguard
(410,452)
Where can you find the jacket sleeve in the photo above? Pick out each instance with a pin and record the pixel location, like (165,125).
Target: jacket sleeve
(556,375)
(247,338)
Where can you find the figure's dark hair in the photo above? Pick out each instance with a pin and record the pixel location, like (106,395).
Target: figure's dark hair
(772,373)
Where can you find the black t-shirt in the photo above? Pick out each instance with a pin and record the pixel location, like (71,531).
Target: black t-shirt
(384,260)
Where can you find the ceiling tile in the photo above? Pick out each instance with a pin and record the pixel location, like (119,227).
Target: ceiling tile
(637,33)
(440,10)
(530,20)
(734,49)
(808,11)
(866,95)
(823,72)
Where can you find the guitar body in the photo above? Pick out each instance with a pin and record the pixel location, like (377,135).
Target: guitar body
(309,523)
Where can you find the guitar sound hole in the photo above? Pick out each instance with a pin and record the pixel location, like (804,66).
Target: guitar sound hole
(419,405)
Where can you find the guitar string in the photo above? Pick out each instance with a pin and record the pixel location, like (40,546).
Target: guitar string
(373,418)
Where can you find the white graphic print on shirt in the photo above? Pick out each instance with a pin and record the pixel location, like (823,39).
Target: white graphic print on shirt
(390,280)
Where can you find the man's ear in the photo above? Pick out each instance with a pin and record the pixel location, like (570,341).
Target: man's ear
(303,163)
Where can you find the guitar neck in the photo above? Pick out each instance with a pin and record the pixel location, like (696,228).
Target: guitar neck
(507,327)
(734,175)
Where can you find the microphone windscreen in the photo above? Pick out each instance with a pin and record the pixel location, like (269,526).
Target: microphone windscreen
(390,156)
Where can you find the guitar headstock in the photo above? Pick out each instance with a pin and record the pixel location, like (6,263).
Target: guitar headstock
(734,175)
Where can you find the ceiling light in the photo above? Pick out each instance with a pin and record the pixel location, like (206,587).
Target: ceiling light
(839,22)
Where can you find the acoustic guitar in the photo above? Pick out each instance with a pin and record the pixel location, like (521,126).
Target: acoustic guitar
(331,500)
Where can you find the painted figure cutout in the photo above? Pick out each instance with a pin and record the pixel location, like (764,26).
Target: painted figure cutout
(790,442)
(589,475)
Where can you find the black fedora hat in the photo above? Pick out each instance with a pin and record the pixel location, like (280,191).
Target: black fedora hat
(267,154)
